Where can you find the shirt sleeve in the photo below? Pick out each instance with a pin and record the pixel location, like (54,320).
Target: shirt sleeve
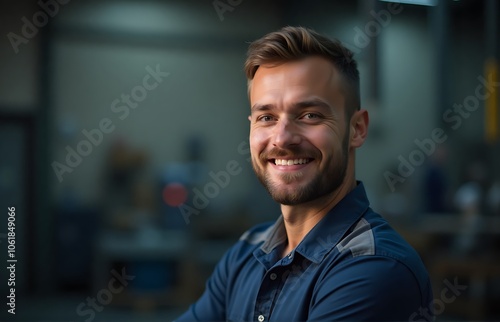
(211,306)
(368,288)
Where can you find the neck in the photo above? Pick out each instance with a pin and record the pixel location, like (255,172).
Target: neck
(300,219)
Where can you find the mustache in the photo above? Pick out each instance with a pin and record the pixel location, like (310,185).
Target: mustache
(292,152)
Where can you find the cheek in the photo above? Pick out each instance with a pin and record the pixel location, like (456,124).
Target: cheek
(324,139)
(258,140)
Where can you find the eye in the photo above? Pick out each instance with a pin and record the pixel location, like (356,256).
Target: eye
(311,116)
(265,118)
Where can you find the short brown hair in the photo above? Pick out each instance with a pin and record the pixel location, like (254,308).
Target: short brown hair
(294,43)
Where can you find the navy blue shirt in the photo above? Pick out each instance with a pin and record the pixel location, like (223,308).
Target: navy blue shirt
(351,266)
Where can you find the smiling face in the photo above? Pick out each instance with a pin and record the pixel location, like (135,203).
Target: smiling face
(299,135)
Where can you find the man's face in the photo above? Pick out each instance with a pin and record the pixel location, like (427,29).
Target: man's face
(299,138)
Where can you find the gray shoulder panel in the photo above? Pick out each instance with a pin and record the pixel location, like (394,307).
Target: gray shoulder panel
(256,237)
(360,241)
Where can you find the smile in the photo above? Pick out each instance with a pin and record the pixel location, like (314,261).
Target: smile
(291,161)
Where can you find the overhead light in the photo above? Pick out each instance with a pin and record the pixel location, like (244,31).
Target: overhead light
(417,2)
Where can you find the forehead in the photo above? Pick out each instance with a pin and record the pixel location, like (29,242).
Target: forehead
(296,79)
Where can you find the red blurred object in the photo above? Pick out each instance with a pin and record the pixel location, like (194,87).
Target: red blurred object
(175,194)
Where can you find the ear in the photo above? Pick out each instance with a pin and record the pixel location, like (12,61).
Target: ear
(250,118)
(359,128)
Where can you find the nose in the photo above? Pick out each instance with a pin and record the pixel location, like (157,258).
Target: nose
(285,134)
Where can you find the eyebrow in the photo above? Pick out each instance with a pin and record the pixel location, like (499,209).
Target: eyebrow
(261,107)
(312,102)
(299,105)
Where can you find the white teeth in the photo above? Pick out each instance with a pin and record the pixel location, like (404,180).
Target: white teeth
(290,162)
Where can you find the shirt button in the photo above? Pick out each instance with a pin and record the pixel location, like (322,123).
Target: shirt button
(261,318)
(273,276)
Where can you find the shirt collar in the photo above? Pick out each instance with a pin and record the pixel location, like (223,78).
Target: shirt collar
(328,231)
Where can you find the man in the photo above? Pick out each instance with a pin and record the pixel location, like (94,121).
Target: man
(329,256)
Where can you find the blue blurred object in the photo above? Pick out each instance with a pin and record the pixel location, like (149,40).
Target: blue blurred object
(152,276)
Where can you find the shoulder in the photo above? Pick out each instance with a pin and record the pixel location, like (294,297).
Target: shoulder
(390,244)
(373,259)
(373,236)
(368,287)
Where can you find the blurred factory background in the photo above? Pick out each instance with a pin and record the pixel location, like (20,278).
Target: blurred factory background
(124,145)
